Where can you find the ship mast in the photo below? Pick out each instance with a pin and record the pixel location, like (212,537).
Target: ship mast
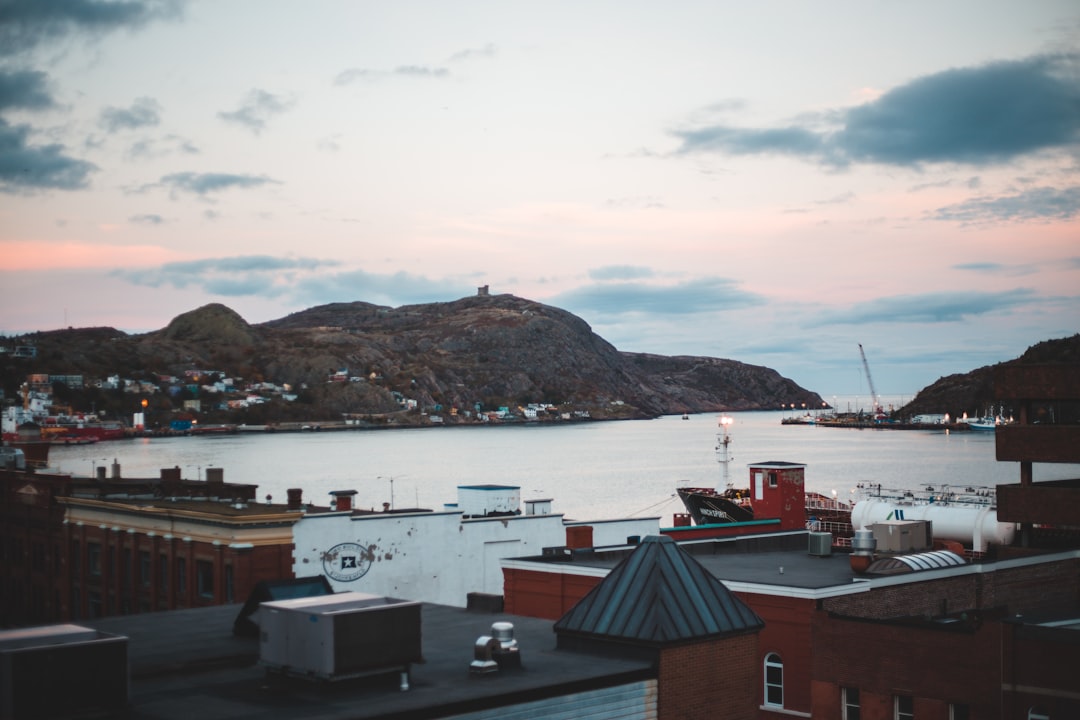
(723,440)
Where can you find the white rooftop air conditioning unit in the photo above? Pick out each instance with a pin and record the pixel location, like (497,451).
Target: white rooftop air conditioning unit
(331,637)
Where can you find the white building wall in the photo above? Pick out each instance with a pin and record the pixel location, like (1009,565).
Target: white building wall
(433,557)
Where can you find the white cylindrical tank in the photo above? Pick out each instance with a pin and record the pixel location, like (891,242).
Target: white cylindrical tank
(977,526)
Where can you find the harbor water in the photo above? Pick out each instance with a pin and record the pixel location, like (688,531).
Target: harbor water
(590,470)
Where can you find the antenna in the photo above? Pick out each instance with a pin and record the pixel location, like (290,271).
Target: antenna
(724,458)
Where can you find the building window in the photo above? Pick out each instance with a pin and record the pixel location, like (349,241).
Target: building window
(1037,713)
(93,605)
(959,712)
(125,568)
(181,577)
(229,584)
(163,574)
(76,560)
(774,680)
(204,572)
(93,558)
(772,479)
(144,568)
(904,707)
(849,699)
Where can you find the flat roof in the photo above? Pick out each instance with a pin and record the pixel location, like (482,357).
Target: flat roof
(187,663)
(780,559)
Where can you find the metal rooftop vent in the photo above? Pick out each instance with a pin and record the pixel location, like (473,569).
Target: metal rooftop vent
(820,544)
(914,563)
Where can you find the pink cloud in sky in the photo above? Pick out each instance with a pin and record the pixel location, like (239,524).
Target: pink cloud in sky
(26,255)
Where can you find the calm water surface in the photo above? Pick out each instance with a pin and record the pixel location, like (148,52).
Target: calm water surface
(591,470)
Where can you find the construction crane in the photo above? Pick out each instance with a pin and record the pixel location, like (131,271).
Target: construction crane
(873,393)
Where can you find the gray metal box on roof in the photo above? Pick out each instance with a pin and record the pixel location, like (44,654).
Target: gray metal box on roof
(62,671)
(337,636)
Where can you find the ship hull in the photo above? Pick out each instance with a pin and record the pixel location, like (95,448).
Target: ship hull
(708,507)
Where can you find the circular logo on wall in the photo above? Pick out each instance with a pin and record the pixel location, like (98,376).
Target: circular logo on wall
(346,562)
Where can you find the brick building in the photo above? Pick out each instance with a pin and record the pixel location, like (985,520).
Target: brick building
(75,548)
(943,640)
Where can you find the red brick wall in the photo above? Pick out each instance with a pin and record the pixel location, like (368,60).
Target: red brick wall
(1042,586)
(786,633)
(935,666)
(924,598)
(709,680)
(543,594)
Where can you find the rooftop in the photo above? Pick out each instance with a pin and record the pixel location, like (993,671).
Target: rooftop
(188,663)
(777,561)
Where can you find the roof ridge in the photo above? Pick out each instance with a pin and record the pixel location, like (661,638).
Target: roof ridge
(659,594)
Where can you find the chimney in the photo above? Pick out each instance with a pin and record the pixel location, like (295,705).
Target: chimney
(101,473)
(170,474)
(343,499)
(295,501)
(215,481)
(579,537)
(115,469)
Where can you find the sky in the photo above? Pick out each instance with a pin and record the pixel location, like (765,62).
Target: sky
(772,182)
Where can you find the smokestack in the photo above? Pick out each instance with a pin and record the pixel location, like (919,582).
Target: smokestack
(295,498)
(101,473)
(115,469)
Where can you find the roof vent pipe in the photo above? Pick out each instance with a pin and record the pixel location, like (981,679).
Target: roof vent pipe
(862,550)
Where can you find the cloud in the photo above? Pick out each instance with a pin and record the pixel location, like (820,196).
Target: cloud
(695,296)
(256,110)
(146,219)
(421,71)
(646,202)
(25,24)
(205,183)
(160,147)
(24,89)
(400,288)
(621,272)
(144,112)
(261,275)
(304,281)
(487,51)
(978,116)
(25,167)
(991,268)
(351,75)
(929,308)
(1034,204)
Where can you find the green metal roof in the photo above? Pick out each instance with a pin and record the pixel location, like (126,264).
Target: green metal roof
(659,594)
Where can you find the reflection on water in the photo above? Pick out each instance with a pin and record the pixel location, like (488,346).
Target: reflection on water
(591,470)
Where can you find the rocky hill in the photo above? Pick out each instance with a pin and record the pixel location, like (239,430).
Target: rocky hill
(973,392)
(486,351)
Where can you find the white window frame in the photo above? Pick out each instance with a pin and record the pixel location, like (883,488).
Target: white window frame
(772,660)
(1037,713)
(897,714)
(846,705)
